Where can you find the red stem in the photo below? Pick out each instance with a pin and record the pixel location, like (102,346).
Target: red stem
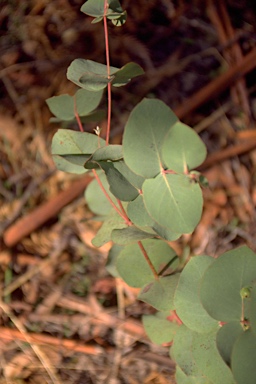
(107,196)
(127,220)
(151,266)
(77,116)
(108,70)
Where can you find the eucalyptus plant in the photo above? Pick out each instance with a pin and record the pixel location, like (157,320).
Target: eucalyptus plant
(147,193)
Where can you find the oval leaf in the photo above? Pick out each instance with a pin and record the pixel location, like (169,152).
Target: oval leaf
(183,149)
(173,202)
(129,235)
(181,351)
(243,358)
(144,134)
(89,74)
(226,338)
(70,149)
(158,328)
(208,359)
(120,187)
(159,252)
(96,199)
(187,300)
(112,221)
(160,293)
(220,295)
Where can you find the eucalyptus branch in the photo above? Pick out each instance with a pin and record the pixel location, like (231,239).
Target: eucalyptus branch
(108,70)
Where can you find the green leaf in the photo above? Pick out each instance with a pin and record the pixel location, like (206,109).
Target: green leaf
(108,152)
(112,258)
(138,214)
(89,74)
(144,135)
(95,8)
(165,233)
(160,293)
(68,142)
(129,235)
(118,22)
(182,378)
(70,149)
(135,180)
(84,101)
(96,199)
(94,76)
(119,185)
(208,359)
(244,357)
(252,315)
(183,149)
(126,73)
(113,221)
(159,252)
(226,338)
(158,328)
(220,294)
(173,202)
(95,116)
(181,352)
(187,301)
(70,163)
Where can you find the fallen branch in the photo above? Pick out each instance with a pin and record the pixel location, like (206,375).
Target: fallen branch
(211,90)
(224,154)
(9,334)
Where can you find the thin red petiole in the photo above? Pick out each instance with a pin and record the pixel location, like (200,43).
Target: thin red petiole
(151,266)
(107,196)
(128,222)
(77,116)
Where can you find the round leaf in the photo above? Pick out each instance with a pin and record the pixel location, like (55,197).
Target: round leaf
(187,301)
(70,149)
(160,293)
(173,202)
(138,214)
(158,328)
(226,338)
(89,74)
(96,199)
(108,152)
(144,135)
(129,235)
(223,281)
(208,359)
(120,187)
(126,73)
(111,261)
(113,220)
(183,149)
(182,378)
(159,252)
(244,357)
(181,351)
